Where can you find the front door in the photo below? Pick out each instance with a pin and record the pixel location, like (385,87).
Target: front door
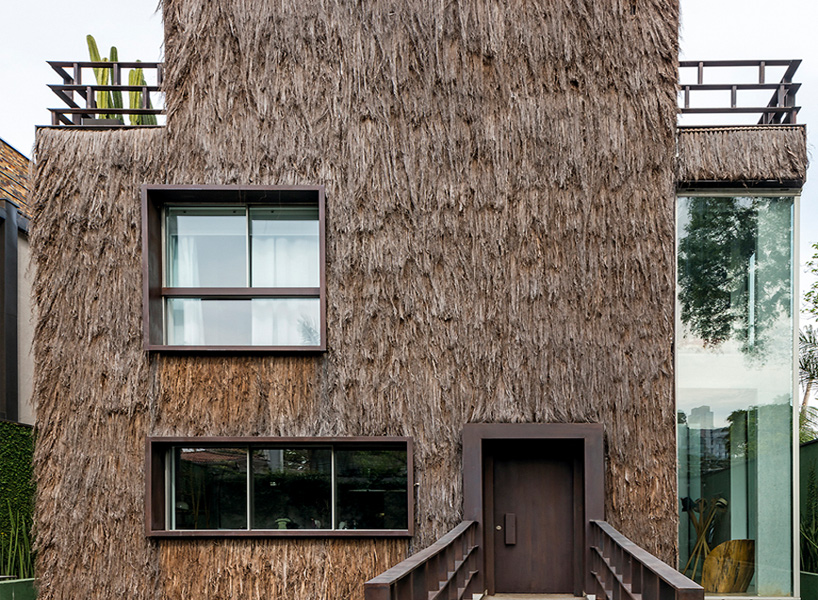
(534,515)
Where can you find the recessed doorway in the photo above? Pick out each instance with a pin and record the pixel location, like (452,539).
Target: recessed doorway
(533,488)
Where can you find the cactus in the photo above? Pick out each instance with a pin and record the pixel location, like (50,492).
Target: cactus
(104,99)
(137,77)
(116,96)
(93,52)
(135,98)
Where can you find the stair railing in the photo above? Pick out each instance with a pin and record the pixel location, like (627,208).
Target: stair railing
(445,570)
(621,570)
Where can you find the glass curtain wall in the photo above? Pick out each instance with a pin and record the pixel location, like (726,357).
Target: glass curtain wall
(734,392)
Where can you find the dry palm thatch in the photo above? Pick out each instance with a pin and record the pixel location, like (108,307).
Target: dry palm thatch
(273,568)
(742,154)
(500,201)
(91,382)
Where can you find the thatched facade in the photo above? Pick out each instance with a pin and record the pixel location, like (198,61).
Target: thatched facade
(500,243)
(737,156)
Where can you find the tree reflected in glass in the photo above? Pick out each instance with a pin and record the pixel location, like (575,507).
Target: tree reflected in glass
(734,269)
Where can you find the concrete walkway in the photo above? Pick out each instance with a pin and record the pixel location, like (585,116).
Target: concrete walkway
(530,597)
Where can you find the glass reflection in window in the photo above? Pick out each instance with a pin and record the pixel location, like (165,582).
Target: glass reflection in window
(210,488)
(206,247)
(285,250)
(371,489)
(734,357)
(243,322)
(292,488)
(320,486)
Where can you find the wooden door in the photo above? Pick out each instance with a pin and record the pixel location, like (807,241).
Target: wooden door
(534,515)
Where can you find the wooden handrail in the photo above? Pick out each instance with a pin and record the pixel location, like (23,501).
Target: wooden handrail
(780,109)
(444,570)
(448,569)
(84,113)
(621,570)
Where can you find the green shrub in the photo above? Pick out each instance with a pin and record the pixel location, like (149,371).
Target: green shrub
(16,499)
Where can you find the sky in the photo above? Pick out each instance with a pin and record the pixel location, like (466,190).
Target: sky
(35,31)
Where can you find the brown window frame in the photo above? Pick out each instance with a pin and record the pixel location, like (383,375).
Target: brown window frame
(155,197)
(156,449)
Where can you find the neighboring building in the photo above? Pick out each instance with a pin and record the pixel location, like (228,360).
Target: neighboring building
(390,269)
(16,361)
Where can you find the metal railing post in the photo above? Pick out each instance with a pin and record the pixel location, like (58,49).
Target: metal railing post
(781,107)
(72,85)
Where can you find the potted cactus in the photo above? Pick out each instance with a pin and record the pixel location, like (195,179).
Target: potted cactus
(104,99)
(137,77)
(113,99)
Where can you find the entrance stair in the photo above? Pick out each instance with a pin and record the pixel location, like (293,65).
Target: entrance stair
(450,569)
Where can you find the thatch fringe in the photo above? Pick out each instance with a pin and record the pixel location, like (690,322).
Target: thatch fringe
(742,154)
(273,568)
(500,203)
(91,381)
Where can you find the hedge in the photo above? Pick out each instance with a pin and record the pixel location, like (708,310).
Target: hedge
(16,481)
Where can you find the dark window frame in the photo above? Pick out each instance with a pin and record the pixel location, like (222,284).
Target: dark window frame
(155,197)
(156,487)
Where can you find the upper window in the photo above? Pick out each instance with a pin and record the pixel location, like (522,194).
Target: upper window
(234,268)
(280,486)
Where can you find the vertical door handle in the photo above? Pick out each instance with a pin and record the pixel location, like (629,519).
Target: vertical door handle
(510,521)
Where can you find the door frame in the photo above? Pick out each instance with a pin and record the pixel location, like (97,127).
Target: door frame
(593,485)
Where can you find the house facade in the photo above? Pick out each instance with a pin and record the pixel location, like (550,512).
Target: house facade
(16,361)
(16,373)
(386,269)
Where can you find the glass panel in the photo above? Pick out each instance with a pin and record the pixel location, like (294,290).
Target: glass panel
(210,488)
(734,360)
(206,247)
(198,322)
(285,247)
(292,488)
(371,489)
(243,322)
(286,322)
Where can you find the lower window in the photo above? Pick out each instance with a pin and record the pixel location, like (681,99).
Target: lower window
(280,486)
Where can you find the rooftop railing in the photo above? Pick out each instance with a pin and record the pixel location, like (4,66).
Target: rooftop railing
(748,95)
(714,102)
(100,105)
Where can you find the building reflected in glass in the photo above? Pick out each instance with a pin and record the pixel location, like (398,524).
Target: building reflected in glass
(734,390)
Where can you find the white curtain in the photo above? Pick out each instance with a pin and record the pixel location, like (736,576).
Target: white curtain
(185,273)
(285,254)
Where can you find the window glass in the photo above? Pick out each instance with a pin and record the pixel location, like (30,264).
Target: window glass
(371,489)
(286,322)
(292,488)
(285,250)
(265,486)
(734,382)
(206,247)
(210,488)
(243,322)
(231,267)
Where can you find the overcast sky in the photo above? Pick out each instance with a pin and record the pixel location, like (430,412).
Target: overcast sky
(40,30)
